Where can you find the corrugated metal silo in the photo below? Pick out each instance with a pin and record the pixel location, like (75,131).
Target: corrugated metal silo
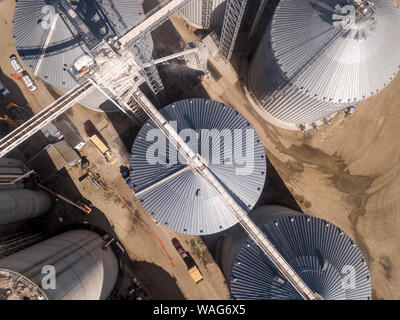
(21,204)
(327,260)
(49,47)
(313,64)
(17,203)
(84,269)
(177,197)
(195,13)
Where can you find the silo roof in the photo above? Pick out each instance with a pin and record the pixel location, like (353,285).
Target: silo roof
(319,252)
(330,60)
(49,53)
(180,199)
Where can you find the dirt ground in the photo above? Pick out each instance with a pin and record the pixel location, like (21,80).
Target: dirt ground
(348,174)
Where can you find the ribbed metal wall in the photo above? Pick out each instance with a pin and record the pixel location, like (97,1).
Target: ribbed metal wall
(84,270)
(21,204)
(307,68)
(10,169)
(64,48)
(186,203)
(193,12)
(318,251)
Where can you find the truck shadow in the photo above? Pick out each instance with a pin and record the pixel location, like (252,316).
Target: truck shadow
(156,281)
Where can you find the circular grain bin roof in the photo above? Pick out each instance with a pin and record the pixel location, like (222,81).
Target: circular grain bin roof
(334,63)
(320,253)
(181,200)
(14,286)
(50,53)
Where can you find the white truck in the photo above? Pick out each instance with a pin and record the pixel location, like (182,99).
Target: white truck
(29,82)
(15,63)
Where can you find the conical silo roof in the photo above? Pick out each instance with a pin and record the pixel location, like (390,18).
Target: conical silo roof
(326,258)
(330,58)
(49,46)
(313,61)
(179,198)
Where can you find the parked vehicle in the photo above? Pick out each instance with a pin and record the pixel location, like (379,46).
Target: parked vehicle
(177,245)
(15,63)
(349,111)
(187,258)
(82,66)
(109,156)
(4,91)
(29,82)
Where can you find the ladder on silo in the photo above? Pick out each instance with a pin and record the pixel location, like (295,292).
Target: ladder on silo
(206,11)
(233,20)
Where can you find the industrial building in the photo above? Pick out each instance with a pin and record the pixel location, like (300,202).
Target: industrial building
(50,43)
(178,198)
(326,258)
(311,65)
(84,269)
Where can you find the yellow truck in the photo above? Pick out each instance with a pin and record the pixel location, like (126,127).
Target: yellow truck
(195,274)
(110,158)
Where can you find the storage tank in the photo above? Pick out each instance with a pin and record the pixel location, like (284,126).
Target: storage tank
(84,269)
(332,55)
(49,45)
(326,259)
(21,204)
(205,14)
(177,197)
(10,172)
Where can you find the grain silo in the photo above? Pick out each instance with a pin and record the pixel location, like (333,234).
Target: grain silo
(327,260)
(332,55)
(177,197)
(84,269)
(49,44)
(17,202)
(205,14)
